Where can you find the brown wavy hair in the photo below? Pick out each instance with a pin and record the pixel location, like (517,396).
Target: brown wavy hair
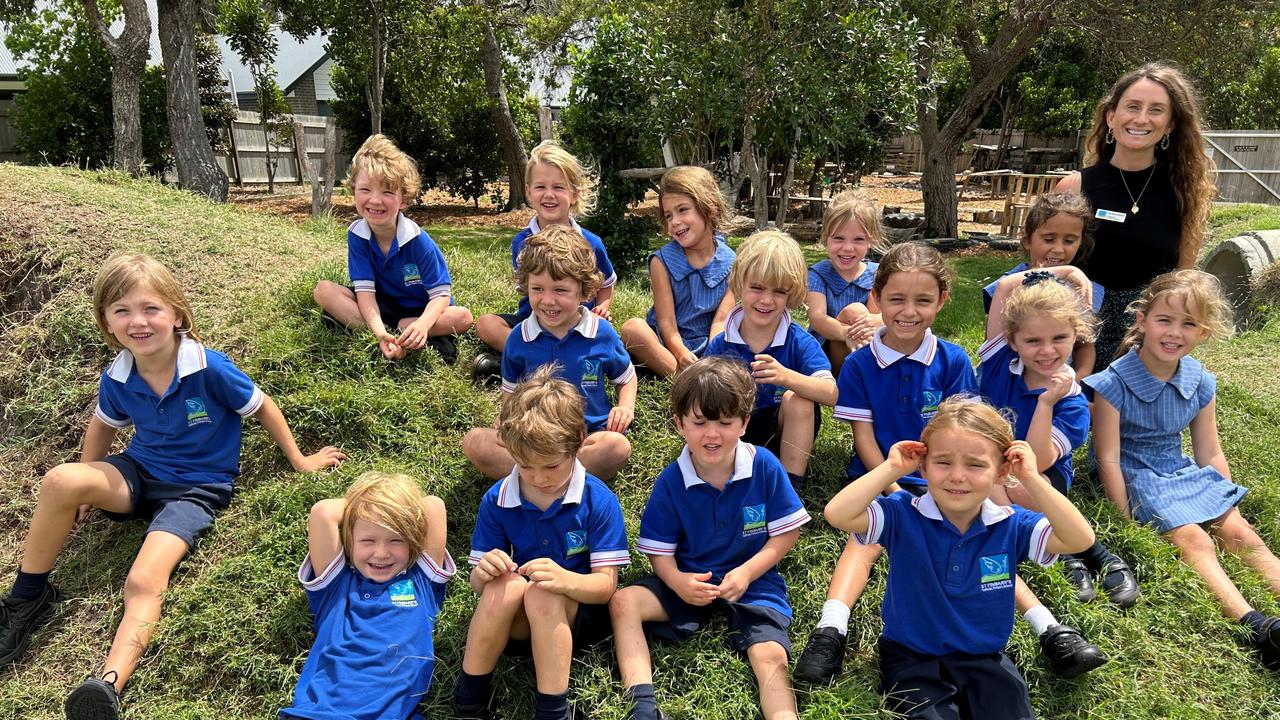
(125,271)
(700,186)
(1201,295)
(1191,172)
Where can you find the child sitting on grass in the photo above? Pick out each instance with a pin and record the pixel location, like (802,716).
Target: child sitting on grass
(842,313)
(719,520)
(375,576)
(401,283)
(1142,404)
(953,558)
(792,374)
(557,273)
(186,403)
(548,542)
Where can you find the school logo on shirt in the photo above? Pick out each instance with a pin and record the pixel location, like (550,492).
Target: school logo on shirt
(411,275)
(929,402)
(402,594)
(196,414)
(753,522)
(576,542)
(590,373)
(995,572)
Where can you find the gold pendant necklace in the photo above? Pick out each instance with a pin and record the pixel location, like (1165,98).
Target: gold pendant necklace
(1134,207)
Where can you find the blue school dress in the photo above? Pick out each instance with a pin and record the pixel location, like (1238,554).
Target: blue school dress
(696,292)
(1166,488)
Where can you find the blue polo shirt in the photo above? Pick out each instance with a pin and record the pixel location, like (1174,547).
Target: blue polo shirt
(373,654)
(792,346)
(580,531)
(898,394)
(1001,385)
(191,434)
(597,246)
(949,592)
(825,279)
(989,292)
(715,531)
(586,356)
(411,274)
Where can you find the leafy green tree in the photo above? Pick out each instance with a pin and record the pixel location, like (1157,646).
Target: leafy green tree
(247,25)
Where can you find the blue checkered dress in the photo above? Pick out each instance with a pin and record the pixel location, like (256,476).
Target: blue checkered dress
(697,292)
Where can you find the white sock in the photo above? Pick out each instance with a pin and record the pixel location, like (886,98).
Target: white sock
(835,614)
(1039,618)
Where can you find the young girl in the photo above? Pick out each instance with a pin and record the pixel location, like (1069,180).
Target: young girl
(841,312)
(185,403)
(1058,231)
(1024,372)
(946,623)
(888,390)
(689,275)
(559,188)
(1142,403)
(375,576)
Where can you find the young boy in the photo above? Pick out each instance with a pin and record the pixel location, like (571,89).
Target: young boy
(375,576)
(548,542)
(557,272)
(718,521)
(401,283)
(789,367)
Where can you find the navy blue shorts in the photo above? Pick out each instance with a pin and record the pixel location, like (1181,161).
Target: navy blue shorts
(177,508)
(748,624)
(390,313)
(590,626)
(515,318)
(763,430)
(953,686)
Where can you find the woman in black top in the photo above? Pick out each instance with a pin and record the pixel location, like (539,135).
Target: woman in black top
(1151,187)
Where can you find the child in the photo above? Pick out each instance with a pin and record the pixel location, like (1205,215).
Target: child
(375,576)
(1142,403)
(185,403)
(888,391)
(548,542)
(557,273)
(1058,231)
(1024,372)
(946,623)
(400,279)
(841,314)
(791,373)
(689,275)
(719,520)
(559,188)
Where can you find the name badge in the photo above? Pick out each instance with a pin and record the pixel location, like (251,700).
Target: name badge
(1111,215)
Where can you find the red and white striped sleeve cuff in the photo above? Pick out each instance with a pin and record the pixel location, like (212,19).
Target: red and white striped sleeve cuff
(875,525)
(1038,552)
(788,523)
(649,546)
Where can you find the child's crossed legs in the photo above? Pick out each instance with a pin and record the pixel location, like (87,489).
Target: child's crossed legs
(503,614)
(1239,538)
(603,453)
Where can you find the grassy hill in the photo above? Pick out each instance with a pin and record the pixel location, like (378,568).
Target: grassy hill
(236,627)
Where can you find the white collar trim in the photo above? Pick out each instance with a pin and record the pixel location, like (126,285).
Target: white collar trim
(509,493)
(990,515)
(587,326)
(743,459)
(406,230)
(733,327)
(886,356)
(190,359)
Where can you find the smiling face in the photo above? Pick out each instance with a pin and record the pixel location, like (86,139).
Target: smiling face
(378,204)
(961,467)
(1055,242)
(143,322)
(847,246)
(1169,331)
(683,222)
(763,305)
(712,443)
(544,476)
(909,301)
(1142,117)
(551,195)
(1044,344)
(555,302)
(378,553)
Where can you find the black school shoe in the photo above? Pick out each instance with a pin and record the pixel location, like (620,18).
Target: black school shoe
(445,346)
(94,699)
(470,712)
(822,658)
(22,618)
(1080,577)
(486,369)
(1266,641)
(1068,653)
(1119,583)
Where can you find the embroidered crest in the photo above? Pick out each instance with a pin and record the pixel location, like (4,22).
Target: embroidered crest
(994,572)
(753,520)
(196,414)
(402,594)
(575,542)
(411,275)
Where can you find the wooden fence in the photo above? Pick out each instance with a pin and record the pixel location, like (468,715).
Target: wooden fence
(9,134)
(246,161)
(1248,164)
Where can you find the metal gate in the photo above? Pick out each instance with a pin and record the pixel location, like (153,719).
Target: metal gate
(1248,164)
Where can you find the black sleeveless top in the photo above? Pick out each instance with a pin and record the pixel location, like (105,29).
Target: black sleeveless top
(1127,255)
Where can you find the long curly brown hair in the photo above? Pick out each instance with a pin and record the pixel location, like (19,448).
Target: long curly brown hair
(1191,172)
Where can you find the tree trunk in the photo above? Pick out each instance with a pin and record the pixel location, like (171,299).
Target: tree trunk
(377,76)
(197,169)
(816,209)
(757,170)
(128,61)
(788,177)
(500,111)
(266,143)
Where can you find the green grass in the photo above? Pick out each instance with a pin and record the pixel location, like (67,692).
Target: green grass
(236,627)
